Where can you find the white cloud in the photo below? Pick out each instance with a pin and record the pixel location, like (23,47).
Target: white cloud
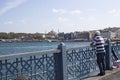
(8,22)
(75,12)
(87,18)
(61,19)
(115,12)
(63,11)
(60,11)
(10,5)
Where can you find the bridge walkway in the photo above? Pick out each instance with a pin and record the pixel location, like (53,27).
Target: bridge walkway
(113,74)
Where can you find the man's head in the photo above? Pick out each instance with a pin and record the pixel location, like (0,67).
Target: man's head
(97,33)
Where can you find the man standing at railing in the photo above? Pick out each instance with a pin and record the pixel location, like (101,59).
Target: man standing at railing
(99,42)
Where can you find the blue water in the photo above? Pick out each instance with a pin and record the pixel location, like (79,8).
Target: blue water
(21,47)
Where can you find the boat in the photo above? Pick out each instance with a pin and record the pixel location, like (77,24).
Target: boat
(46,40)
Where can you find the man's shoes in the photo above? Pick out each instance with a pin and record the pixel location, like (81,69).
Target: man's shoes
(101,74)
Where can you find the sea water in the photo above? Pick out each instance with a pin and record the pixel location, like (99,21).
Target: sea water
(21,47)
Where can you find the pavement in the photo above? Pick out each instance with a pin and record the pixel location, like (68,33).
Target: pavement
(113,74)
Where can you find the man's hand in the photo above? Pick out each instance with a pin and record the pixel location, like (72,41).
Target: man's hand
(92,44)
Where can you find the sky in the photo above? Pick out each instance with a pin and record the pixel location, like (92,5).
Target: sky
(42,16)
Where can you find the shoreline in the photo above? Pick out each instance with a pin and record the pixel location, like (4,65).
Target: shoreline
(51,40)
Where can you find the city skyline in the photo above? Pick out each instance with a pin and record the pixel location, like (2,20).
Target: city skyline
(42,16)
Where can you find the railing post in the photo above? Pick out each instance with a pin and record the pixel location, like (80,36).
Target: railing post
(108,55)
(60,63)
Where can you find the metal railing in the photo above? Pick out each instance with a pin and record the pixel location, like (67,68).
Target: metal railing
(81,61)
(115,49)
(58,64)
(35,65)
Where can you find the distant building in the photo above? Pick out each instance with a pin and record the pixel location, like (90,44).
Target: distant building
(67,36)
(27,38)
(52,34)
(108,34)
(118,34)
(72,35)
(61,36)
(77,35)
(83,35)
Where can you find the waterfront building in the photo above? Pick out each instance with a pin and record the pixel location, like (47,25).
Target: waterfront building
(61,36)
(108,34)
(118,34)
(52,34)
(27,38)
(77,34)
(67,36)
(83,35)
(72,35)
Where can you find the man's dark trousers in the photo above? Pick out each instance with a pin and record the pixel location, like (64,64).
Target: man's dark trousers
(101,62)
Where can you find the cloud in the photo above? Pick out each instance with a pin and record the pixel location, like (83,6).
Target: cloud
(115,12)
(10,5)
(88,18)
(60,11)
(63,11)
(62,19)
(8,22)
(75,12)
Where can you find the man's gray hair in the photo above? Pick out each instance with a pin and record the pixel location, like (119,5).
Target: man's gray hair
(97,33)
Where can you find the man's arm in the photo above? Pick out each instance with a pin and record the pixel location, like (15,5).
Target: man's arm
(92,43)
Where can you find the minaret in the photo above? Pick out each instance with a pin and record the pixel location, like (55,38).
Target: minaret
(58,30)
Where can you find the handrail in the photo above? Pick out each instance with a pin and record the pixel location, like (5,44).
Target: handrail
(78,47)
(18,55)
